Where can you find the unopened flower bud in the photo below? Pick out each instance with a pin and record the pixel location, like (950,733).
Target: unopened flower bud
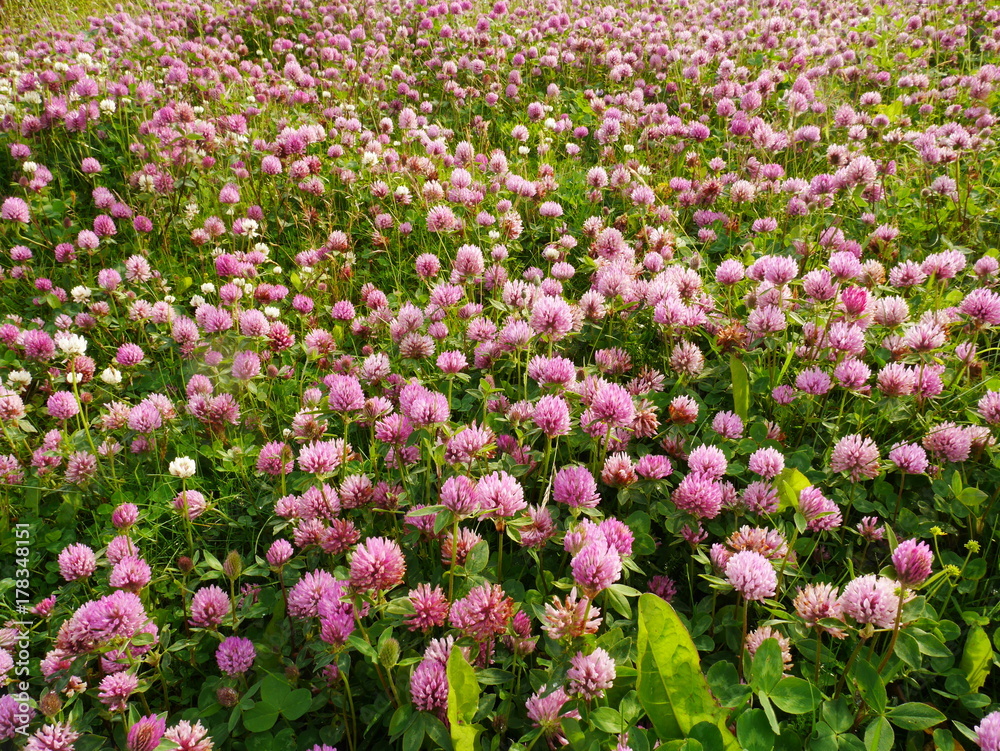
(233,565)
(50,704)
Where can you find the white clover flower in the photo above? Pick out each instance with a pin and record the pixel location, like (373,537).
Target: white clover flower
(182,467)
(277,270)
(71,344)
(493,235)
(80,293)
(629,148)
(108,106)
(272,312)
(197,300)
(19,379)
(262,248)
(29,168)
(523,150)
(208,288)
(74,378)
(111,376)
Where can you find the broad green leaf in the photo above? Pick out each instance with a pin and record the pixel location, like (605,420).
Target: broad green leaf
(494,677)
(879,735)
(726,686)
(274,691)
(943,740)
(413,738)
(463,701)
(767,666)
(915,716)
(870,686)
(795,696)
(618,602)
(608,719)
(670,685)
(402,718)
(741,386)
(837,715)
(707,734)
(790,483)
(478,557)
(972,497)
(823,738)
(753,731)
(907,649)
(296,704)
(977,658)
(261,717)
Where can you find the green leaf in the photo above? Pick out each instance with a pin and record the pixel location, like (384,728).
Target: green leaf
(795,696)
(608,719)
(707,734)
(274,691)
(463,701)
(767,667)
(879,735)
(618,602)
(907,649)
(402,718)
(768,708)
(837,715)
(494,677)
(977,658)
(915,716)
(726,687)
(670,685)
(741,386)
(753,731)
(478,557)
(261,717)
(972,497)
(413,738)
(790,484)
(943,740)
(870,686)
(297,704)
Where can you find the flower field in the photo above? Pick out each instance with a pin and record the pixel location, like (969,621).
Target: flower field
(500,375)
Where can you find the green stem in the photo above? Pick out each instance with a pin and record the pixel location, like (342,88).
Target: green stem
(743,636)
(895,630)
(350,730)
(819,653)
(847,668)
(454,559)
